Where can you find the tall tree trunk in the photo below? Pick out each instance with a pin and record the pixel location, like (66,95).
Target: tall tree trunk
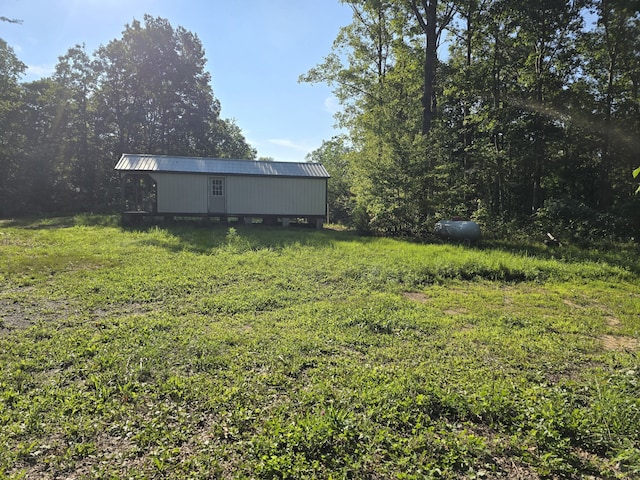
(466,108)
(498,136)
(538,162)
(604,169)
(539,129)
(428,24)
(611,41)
(431,55)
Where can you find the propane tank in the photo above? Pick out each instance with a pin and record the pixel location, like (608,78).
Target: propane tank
(464,231)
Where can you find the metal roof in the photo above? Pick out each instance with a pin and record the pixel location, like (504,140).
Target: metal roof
(218,166)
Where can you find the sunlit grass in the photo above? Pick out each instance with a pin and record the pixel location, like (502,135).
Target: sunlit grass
(192,352)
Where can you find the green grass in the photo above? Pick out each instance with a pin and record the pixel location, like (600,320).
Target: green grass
(257,352)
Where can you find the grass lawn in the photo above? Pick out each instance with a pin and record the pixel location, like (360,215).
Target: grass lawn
(262,352)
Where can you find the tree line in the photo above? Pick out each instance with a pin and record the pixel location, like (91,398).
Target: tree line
(511,113)
(147,92)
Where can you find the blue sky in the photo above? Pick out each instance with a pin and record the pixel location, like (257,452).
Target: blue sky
(256,49)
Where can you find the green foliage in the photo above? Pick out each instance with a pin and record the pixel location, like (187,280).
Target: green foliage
(333,155)
(190,352)
(574,221)
(531,104)
(12,181)
(147,91)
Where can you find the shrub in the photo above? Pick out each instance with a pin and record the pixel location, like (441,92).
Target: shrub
(573,220)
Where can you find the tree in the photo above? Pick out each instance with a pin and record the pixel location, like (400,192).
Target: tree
(147,91)
(227,138)
(78,166)
(426,14)
(10,20)
(39,153)
(379,87)
(333,154)
(12,173)
(544,41)
(507,106)
(611,55)
(526,108)
(470,134)
(154,95)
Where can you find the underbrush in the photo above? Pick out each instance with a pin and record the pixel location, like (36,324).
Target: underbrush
(233,352)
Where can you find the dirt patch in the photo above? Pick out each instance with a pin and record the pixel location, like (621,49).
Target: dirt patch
(612,321)
(246,328)
(416,297)
(516,471)
(123,310)
(619,343)
(424,298)
(571,304)
(467,327)
(25,312)
(14,315)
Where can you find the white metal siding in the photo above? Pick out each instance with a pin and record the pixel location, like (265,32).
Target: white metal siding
(276,196)
(181,193)
(246,195)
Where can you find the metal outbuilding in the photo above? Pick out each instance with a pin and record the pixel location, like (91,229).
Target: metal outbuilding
(213,187)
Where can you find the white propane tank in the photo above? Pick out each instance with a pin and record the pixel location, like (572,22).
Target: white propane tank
(464,231)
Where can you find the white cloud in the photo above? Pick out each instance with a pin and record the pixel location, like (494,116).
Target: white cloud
(285,142)
(35,72)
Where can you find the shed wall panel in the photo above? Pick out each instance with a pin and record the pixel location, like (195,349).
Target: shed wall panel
(276,196)
(181,193)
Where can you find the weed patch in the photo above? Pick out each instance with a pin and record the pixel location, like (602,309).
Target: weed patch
(258,352)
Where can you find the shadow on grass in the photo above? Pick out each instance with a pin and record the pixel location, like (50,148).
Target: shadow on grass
(199,235)
(625,256)
(43,223)
(205,238)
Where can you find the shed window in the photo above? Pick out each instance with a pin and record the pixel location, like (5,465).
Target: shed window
(217,187)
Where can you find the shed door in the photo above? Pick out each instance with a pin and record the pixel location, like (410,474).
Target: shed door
(217,195)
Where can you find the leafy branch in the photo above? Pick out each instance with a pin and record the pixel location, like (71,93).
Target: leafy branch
(10,20)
